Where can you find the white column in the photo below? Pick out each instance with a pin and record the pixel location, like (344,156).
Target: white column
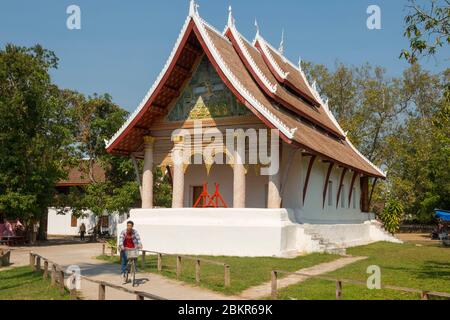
(178,173)
(274,186)
(239,178)
(274,197)
(147,176)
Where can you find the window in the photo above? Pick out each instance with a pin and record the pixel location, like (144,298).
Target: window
(342,196)
(104,221)
(330,193)
(73,221)
(354,198)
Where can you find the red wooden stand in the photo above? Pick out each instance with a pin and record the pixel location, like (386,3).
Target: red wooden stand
(208,201)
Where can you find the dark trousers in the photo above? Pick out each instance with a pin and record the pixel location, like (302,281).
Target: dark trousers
(82,235)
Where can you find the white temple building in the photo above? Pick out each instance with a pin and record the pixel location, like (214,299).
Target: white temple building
(219,82)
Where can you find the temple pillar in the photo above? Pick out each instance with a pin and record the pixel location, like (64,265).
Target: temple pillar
(274,185)
(147,176)
(178,173)
(274,196)
(239,180)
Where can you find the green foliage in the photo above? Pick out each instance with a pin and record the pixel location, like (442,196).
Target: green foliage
(427,28)
(112,244)
(45,130)
(401,124)
(392,216)
(94,120)
(35,141)
(365,102)
(162,190)
(419,149)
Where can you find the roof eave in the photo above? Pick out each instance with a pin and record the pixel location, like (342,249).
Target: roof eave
(146,102)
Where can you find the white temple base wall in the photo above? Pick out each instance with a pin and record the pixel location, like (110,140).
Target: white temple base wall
(245,233)
(230,232)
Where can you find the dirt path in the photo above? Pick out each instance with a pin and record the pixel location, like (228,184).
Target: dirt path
(264,289)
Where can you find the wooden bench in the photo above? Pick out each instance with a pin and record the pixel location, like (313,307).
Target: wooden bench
(4,258)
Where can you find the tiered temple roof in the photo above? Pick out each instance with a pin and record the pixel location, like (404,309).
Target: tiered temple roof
(261,78)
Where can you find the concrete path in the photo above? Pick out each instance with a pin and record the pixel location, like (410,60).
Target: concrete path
(264,290)
(83,255)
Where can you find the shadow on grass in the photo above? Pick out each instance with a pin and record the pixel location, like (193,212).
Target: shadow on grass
(433,269)
(31,277)
(28,274)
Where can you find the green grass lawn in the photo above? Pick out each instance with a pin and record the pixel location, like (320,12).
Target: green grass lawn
(245,272)
(24,284)
(403,265)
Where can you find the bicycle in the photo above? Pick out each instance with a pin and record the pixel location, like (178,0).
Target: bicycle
(132,256)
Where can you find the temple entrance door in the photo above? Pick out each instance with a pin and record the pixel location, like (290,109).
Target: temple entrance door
(196,192)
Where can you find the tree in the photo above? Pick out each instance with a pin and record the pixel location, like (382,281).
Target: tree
(94,120)
(401,124)
(392,216)
(419,166)
(364,101)
(162,190)
(427,28)
(35,142)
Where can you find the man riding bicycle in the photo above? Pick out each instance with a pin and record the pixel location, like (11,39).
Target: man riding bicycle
(129,239)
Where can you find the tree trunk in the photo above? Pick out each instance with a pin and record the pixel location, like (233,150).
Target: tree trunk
(96,231)
(42,235)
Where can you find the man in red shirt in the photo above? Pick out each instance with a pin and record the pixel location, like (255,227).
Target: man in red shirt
(129,239)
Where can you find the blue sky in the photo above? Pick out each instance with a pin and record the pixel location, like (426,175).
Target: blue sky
(123,45)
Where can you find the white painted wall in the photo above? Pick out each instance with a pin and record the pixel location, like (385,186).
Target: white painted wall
(312,211)
(233,232)
(60,225)
(350,235)
(244,232)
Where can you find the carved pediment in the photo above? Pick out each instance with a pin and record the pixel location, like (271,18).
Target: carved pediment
(206,97)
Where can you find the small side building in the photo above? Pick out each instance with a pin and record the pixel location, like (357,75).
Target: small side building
(67,224)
